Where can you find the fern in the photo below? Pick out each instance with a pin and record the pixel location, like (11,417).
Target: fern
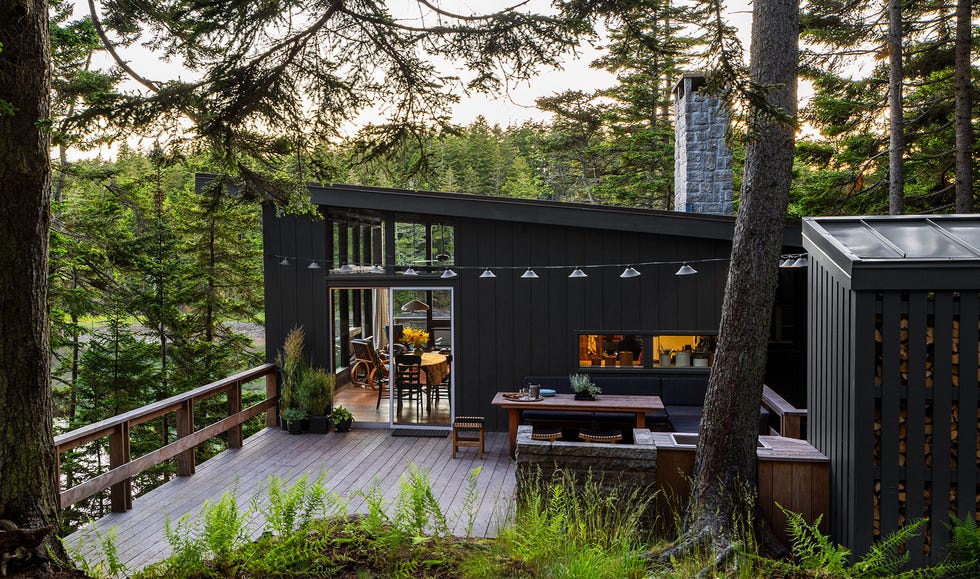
(817,556)
(964,542)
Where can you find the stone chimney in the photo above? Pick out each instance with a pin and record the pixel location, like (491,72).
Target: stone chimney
(702,159)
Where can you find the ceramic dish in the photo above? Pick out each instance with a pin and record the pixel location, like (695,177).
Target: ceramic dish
(547,392)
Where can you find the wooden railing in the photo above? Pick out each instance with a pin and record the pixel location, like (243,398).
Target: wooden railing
(792,420)
(117,428)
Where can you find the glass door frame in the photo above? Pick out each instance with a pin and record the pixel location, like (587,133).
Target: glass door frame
(391,357)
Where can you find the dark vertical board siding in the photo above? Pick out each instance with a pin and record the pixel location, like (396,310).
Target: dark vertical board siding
(860,445)
(319,320)
(968,349)
(480,347)
(272,248)
(942,400)
(890,399)
(557,353)
(915,438)
(575,301)
(594,284)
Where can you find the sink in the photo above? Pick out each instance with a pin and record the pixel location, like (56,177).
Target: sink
(690,440)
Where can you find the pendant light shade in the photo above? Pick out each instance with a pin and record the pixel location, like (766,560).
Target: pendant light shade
(377,269)
(415,306)
(686,270)
(313,265)
(529,274)
(788,262)
(285,261)
(345,269)
(487,274)
(801,262)
(448,274)
(577,273)
(410,271)
(629,272)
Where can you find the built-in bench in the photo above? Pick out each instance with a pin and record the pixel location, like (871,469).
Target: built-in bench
(683,400)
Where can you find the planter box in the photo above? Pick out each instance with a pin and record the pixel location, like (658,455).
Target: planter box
(319,424)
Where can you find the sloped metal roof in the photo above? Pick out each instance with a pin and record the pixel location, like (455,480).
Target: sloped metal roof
(442,204)
(888,249)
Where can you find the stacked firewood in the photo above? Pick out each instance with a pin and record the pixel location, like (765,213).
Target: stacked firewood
(929,411)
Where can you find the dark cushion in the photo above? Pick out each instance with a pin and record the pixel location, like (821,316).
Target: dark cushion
(556,416)
(687,418)
(684,391)
(629,385)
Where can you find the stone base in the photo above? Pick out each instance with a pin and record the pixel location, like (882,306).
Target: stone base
(623,467)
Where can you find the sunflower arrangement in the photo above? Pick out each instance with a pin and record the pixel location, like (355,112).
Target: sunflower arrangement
(415,337)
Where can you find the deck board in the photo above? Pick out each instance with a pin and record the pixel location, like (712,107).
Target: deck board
(352,461)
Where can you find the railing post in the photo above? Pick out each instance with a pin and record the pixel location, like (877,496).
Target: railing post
(121,493)
(234,407)
(185,427)
(271,391)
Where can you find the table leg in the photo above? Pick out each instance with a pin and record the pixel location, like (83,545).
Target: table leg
(641,419)
(514,420)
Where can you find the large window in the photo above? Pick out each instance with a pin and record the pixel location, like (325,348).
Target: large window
(424,246)
(626,351)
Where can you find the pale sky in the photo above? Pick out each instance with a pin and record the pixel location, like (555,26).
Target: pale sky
(511,108)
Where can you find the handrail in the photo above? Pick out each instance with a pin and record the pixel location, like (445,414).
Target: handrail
(792,420)
(117,428)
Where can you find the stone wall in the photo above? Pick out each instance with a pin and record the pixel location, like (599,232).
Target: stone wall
(702,159)
(630,465)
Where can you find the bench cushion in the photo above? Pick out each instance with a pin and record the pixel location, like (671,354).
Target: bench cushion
(683,391)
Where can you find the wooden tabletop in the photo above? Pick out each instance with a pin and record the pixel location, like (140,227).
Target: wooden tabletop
(604,403)
(431,358)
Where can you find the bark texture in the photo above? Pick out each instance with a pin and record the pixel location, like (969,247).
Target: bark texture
(964,104)
(28,473)
(725,469)
(896,122)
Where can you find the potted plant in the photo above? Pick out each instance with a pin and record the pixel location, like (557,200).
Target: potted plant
(664,356)
(290,361)
(583,387)
(314,393)
(294,419)
(342,419)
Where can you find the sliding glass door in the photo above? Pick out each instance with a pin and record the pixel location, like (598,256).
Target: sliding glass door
(420,349)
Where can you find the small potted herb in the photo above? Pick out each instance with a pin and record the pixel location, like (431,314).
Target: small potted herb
(342,419)
(294,418)
(583,387)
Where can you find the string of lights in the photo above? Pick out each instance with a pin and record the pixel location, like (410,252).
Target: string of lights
(795,260)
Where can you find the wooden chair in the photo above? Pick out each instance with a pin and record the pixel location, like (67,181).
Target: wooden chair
(381,377)
(468,431)
(408,380)
(363,363)
(442,388)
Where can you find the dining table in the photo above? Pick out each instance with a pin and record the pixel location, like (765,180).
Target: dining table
(637,405)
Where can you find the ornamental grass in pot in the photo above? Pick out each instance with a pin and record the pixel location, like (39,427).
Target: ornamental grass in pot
(583,387)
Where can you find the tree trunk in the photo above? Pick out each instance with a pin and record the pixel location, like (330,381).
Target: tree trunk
(725,464)
(28,468)
(964,104)
(896,125)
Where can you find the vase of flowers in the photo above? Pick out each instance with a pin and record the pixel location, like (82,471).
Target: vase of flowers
(415,338)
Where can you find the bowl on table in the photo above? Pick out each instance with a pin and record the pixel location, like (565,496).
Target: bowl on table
(547,392)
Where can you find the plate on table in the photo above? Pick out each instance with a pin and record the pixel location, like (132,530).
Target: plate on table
(518,397)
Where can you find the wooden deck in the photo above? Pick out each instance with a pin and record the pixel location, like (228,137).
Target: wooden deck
(353,461)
